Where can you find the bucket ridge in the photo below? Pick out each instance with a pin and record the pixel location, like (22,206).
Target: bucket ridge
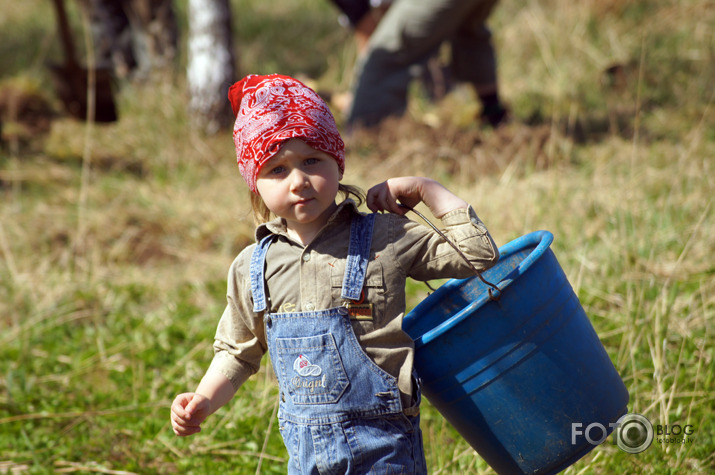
(507,342)
(481,299)
(510,358)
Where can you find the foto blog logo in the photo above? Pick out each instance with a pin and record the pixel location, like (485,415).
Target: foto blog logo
(633,433)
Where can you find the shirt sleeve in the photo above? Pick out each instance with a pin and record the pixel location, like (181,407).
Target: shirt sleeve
(425,255)
(240,340)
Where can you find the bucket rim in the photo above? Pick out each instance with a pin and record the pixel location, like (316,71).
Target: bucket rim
(541,239)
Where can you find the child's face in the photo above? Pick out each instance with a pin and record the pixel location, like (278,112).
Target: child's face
(299,184)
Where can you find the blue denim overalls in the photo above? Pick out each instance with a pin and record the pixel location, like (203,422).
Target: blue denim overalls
(339,412)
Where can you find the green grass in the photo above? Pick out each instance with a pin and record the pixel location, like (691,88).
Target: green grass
(112,280)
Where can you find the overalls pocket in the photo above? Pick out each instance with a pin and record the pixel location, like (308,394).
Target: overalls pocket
(310,369)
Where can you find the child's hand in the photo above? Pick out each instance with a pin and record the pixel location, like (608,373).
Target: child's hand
(409,191)
(188,411)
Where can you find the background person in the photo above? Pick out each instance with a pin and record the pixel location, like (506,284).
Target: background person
(407,35)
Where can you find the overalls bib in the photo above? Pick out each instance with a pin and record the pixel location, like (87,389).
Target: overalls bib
(339,412)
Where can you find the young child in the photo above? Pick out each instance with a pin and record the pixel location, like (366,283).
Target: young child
(323,289)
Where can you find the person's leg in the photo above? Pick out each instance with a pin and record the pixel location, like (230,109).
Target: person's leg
(474,61)
(408,33)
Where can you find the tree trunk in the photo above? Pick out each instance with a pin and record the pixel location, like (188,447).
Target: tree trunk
(211,69)
(154,33)
(134,37)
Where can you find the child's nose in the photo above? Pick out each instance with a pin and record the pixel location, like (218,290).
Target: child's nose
(298,179)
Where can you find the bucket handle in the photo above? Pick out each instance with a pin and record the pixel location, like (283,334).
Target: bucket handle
(494,291)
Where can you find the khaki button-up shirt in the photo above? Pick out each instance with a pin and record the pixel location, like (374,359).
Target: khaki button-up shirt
(307,278)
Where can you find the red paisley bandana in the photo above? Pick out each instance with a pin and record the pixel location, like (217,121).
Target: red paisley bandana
(272,109)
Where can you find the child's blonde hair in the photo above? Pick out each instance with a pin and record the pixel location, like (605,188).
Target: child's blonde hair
(261,213)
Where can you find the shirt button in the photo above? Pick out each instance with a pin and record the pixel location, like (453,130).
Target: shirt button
(306,257)
(309,306)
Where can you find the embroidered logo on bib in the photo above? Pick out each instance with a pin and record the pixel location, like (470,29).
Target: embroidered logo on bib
(303,367)
(308,375)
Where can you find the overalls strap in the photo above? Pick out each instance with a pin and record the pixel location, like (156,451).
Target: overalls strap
(358,255)
(258,264)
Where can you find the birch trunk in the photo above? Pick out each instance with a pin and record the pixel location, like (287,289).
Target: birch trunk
(210,70)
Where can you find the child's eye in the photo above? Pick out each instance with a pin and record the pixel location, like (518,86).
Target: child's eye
(276,170)
(311,160)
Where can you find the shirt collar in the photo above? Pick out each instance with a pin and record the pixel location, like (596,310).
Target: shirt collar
(277,226)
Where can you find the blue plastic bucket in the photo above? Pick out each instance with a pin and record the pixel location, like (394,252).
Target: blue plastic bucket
(513,374)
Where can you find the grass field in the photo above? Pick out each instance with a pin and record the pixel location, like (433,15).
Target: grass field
(115,240)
